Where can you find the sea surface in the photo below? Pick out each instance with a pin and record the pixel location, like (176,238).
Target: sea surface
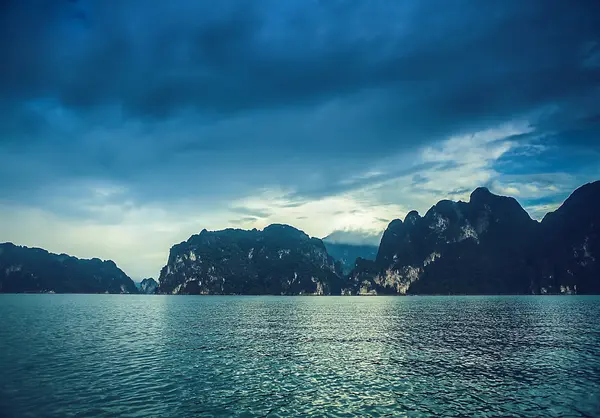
(180,356)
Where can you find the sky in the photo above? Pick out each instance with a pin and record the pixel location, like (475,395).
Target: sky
(126,127)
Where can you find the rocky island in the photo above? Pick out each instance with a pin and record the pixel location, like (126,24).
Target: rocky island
(148,286)
(279,260)
(34,270)
(488,245)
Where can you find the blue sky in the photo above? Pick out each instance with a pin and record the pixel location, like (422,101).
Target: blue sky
(126,128)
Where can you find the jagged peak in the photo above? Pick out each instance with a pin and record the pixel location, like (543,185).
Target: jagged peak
(276,226)
(395,224)
(480,193)
(231,233)
(445,207)
(584,199)
(586,191)
(445,204)
(25,247)
(285,229)
(412,217)
(57,255)
(110,263)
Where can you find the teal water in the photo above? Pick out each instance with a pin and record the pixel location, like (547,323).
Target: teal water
(179,356)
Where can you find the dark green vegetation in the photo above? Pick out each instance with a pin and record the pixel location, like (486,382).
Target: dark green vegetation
(569,244)
(477,247)
(489,245)
(148,286)
(277,260)
(35,270)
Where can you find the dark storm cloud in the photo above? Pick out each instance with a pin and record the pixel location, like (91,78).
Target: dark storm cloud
(196,98)
(463,58)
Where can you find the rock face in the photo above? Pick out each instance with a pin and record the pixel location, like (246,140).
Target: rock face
(277,260)
(489,245)
(34,270)
(569,256)
(148,286)
(346,254)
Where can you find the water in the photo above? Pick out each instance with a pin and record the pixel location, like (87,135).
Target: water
(178,356)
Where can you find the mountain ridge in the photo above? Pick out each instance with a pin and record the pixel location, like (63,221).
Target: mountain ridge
(36,270)
(488,245)
(279,259)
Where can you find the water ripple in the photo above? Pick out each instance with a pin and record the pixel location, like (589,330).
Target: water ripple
(138,356)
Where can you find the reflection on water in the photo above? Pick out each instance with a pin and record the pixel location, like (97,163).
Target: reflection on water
(117,355)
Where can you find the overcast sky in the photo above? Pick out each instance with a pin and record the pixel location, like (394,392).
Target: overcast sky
(126,126)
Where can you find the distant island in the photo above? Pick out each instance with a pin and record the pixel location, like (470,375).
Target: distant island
(488,245)
(34,270)
(148,286)
(347,252)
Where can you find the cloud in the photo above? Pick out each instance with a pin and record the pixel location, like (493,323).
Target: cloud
(138,242)
(355,237)
(255,213)
(245,221)
(328,115)
(293,52)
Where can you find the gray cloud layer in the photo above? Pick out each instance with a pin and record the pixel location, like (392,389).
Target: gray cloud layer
(463,58)
(195,99)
